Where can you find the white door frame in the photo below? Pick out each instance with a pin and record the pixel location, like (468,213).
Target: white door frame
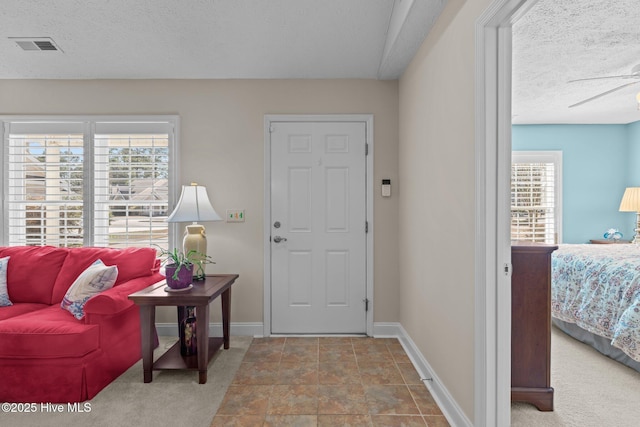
(367,119)
(493,248)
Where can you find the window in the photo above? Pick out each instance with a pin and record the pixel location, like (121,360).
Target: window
(536,196)
(88,182)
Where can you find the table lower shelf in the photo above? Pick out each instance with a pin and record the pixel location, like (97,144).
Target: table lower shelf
(172,359)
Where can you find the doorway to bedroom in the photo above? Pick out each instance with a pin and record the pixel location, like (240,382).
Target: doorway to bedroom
(527,136)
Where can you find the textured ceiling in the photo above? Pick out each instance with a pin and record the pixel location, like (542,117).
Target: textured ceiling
(561,40)
(111,39)
(554,42)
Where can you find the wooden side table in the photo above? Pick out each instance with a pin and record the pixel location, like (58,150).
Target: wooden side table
(608,241)
(200,296)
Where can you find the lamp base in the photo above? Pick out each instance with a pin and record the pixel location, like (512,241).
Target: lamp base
(195,239)
(636,237)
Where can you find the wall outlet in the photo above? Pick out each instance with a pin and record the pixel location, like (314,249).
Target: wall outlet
(235,215)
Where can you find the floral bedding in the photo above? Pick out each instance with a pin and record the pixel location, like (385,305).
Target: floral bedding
(597,287)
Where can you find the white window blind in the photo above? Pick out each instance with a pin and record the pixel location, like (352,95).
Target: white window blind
(45,191)
(535,196)
(104,184)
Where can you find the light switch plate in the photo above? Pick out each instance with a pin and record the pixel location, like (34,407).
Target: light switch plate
(235,215)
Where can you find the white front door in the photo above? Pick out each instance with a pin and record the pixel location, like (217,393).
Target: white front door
(318,227)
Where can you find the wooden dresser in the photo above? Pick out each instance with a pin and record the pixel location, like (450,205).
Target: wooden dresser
(531,324)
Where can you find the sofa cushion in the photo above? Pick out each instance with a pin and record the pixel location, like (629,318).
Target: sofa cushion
(32,272)
(131,262)
(95,279)
(4,294)
(19,308)
(47,333)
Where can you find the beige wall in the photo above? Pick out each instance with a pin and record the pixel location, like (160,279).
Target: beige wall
(222,147)
(436,157)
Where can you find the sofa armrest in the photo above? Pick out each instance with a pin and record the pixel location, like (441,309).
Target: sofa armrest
(115,300)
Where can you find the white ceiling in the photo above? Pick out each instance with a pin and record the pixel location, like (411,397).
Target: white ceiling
(556,41)
(214,39)
(561,40)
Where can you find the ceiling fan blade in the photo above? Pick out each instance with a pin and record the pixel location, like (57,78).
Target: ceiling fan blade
(624,76)
(603,94)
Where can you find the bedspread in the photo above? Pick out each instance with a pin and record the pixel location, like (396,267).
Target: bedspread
(597,287)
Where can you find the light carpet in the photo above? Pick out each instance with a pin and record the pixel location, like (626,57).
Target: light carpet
(591,390)
(172,398)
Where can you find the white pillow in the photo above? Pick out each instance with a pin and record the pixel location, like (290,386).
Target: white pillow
(4,293)
(95,279)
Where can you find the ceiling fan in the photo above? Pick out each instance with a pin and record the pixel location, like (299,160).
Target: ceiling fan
(635,75)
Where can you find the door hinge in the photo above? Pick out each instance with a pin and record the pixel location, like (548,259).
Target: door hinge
(507,269)
(366,304)
(366,226)
(366,149)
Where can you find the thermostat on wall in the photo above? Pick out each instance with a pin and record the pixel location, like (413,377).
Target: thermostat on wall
(386,188)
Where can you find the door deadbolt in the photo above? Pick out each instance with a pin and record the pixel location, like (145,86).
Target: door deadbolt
(276,224)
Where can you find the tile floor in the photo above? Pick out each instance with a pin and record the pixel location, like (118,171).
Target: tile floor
(327,381)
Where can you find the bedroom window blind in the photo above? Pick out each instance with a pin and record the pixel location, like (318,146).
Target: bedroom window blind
(87,182)
(535,196)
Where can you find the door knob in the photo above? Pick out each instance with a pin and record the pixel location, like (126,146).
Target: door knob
(279,239)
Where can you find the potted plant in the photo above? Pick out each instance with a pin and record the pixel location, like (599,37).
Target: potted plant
(179,267)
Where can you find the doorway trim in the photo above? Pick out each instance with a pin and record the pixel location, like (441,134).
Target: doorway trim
(492,394)
(367,119)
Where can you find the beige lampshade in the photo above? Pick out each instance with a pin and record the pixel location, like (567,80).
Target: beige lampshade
(630,200)
(194,205)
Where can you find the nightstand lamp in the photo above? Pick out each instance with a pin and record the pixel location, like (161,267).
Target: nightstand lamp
(631,203)
(194,206)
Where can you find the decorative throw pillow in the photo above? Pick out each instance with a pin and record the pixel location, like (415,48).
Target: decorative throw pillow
(95,279)
(4,293)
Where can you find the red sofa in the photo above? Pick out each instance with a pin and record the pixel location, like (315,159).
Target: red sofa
(46,354)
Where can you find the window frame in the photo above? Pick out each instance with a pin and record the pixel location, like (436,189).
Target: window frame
(89,128)
(550,156)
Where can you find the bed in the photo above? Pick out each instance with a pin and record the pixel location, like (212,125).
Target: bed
(595,297)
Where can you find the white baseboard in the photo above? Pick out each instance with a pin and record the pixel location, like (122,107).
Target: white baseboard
(443,398)
(386,330)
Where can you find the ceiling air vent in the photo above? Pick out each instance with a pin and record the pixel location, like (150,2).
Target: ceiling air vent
(41,44)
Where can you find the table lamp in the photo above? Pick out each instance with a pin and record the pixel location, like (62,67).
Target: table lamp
(631,203)
(194,206)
